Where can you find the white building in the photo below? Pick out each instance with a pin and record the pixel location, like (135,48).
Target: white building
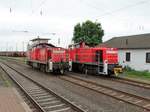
(134,51)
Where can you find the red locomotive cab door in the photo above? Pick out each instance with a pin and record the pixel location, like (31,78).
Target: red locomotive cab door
(100,61)
(99,56)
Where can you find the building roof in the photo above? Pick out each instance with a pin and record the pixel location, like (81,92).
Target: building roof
(141,41)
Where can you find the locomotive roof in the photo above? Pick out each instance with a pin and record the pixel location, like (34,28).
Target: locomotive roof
(35,39)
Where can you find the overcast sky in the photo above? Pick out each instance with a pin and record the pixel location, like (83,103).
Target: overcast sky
(43,17)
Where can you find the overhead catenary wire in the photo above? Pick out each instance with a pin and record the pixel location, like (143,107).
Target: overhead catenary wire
(128,7)
(117,10)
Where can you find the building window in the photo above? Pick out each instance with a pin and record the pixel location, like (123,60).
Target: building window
(148,57)
(128,56)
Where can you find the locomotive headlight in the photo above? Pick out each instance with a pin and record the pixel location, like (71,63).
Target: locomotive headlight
(106,61)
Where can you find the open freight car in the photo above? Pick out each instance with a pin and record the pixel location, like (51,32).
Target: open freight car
(47,57)
(94,60)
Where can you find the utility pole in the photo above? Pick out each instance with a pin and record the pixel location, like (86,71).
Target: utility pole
(23,51)
(23,46)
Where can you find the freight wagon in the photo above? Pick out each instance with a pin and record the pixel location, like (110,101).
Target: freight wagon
(13,53)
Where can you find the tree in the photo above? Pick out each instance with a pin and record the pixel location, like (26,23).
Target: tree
(89,32)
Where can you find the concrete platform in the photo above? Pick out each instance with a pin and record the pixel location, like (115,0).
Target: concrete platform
(11,101)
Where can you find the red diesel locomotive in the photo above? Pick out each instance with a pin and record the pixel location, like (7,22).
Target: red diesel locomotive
(93,60)
(47,57)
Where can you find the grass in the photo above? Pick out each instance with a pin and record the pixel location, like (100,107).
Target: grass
(20,59)
(3,79)
(137,75)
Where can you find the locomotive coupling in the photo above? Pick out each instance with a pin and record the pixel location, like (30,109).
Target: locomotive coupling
(118,70)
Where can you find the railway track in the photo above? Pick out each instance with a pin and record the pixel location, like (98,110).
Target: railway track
(116,79)
(44,99)
(132,82)
(108,91)
(123,80)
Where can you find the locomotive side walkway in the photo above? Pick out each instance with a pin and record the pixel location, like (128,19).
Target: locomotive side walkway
(10,101)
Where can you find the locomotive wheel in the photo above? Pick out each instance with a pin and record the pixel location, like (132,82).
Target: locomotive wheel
(83,70)
(42,68)
(109,73)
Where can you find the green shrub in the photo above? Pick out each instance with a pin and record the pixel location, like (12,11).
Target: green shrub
(127,68)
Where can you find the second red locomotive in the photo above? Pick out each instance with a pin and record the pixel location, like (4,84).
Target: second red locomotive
(94,60)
